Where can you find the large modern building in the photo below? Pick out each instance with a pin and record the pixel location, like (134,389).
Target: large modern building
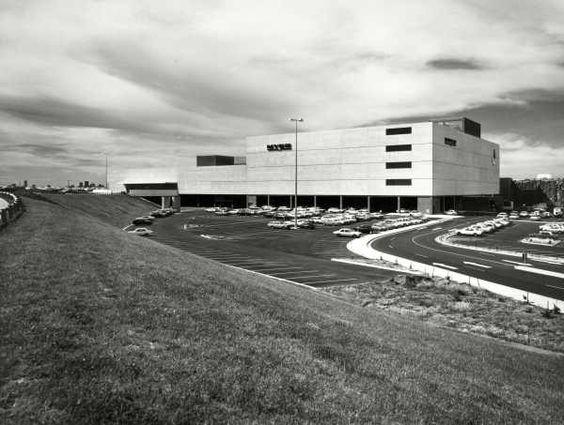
(424,165)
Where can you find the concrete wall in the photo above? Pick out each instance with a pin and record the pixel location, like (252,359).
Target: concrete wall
(469,168)
(341,162)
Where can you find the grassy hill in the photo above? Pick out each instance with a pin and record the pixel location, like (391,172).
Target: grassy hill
(99,326)
(115,209)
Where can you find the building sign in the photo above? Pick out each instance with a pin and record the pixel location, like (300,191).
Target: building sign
(279,147)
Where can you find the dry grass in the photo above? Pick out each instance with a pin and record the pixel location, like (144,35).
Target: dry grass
(102,327)
(460,306)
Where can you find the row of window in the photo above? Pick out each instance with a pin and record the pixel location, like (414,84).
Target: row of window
(407,130)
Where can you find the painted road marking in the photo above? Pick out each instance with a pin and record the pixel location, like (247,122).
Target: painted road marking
(266,269)
(310,277)
(255,261)
(437,228)
(470,263)
(231,256)
(555,287)
(421,255)
(444,265)
(296,272)
(330,281)
(519,263)
(540,271)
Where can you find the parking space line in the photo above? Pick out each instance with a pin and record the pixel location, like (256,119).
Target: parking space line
(266,269)
(250,260)
(296,272)
(233,256)
(330,281)
(313,276)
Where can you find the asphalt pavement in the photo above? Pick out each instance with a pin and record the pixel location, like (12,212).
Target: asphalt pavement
(299,256)
(543,278)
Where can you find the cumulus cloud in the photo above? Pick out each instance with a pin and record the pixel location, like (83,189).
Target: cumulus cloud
(137,78)
(525,158)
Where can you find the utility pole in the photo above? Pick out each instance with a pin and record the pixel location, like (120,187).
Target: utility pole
(296,120)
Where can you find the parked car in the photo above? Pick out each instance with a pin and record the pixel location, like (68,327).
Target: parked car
(334,210)
(451,212)
(363,228)
(469,231)
(141,231)
(143,220)
(524,214)
(346,232)
(276,224)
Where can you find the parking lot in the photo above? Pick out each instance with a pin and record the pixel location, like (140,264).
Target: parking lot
(304,256)
(300,256)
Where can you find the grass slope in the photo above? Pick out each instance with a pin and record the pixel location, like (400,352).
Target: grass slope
(99,326)
(114,209)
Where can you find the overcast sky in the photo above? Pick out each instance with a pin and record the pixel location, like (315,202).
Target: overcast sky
(151,82)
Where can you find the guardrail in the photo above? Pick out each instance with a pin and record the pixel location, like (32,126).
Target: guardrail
(14,209)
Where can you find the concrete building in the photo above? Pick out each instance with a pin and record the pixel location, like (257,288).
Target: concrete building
(424,166)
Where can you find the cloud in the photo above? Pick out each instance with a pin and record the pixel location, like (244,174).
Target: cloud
(454,64)
(525,158)
(144,80)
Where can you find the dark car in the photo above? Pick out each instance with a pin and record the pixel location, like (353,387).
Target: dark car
(142,220)
(306,225)
(364,228)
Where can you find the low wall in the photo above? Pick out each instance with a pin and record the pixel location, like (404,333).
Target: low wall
(12,210)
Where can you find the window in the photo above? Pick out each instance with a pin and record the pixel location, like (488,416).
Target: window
(450,142)
(398,182)
(398,130)
(398,148)
(406,164)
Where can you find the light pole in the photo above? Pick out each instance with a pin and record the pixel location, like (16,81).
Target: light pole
(296,120)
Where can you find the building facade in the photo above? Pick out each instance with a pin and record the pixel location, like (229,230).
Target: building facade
(423,166)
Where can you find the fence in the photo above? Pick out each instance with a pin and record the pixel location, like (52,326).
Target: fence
(14,209)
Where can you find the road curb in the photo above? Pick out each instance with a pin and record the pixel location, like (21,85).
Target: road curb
(362,246)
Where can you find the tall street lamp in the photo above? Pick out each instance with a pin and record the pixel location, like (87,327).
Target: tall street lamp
(296,120)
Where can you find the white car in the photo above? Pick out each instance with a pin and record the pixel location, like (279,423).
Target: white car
(469,231)
(346,232)
(279,224)
(334,210)
(451,212)
(141,231)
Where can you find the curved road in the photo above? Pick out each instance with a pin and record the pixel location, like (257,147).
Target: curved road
(419,245)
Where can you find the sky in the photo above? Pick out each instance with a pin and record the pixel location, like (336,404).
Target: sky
(153,83)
